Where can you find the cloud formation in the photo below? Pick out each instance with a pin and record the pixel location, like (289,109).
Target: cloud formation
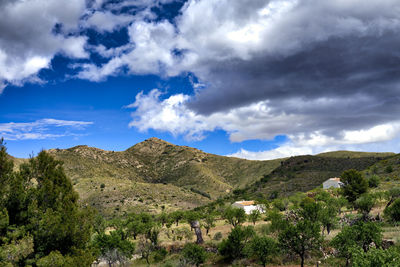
(323,73)
(28,40)
(326,74)
(41,129)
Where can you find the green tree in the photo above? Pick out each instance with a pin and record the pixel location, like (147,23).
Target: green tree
(376,257)
(254,216)
(354,184)
(6,171)
(234,216)
(41,204)
(194,254)
(392,194)
(361,234)
(393,211)
(263,249)
(113,247)
(55,258)
(177,216)
(16,251)
(234,246)
(209,222)
(365,203)
(301,237)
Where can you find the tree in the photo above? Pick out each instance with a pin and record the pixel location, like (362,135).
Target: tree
(55,258)
(209,222)
(263,249)
(145,248)
(113,248)
(392,212)
(233,247)
(177,216)
(365,203)
(137,224)
(193,219)
(354,184)
(376,257)
(6,171)
(194,254)
(234,216)
(301,237)
(254,216)
(40,203)
(361,234)
(392,195)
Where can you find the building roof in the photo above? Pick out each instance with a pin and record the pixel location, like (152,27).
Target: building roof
(245,203)
(335,179)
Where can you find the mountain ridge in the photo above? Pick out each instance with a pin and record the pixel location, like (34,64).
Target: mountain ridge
(154,171)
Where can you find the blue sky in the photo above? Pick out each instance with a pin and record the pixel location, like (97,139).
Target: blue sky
(257,80)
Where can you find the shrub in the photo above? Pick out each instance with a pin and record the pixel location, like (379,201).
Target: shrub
(194,254)
(160,254)
(373,181)
(393,211)
(233,247)
(217,236)
(102,186)
(263,249)
(389,169)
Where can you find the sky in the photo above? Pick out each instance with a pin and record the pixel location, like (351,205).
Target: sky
(251,79)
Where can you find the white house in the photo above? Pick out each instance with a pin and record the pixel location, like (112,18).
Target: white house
(332,182)
(248,206)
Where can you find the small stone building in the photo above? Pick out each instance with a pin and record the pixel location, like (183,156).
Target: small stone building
(332,182)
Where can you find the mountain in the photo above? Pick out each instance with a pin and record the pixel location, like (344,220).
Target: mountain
(155,173)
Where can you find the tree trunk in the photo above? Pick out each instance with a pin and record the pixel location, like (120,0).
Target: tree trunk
(302,260)
(196,226)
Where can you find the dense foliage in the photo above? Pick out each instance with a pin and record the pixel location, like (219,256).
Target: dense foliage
(41,218)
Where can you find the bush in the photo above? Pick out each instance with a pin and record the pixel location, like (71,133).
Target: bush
(263,249)
(194,254)
(233,247)
(102,186)
(373,181)
(160,254)
(389,169)
(354,184)
(197,191)
(218,236)
(393,211)
(375,257)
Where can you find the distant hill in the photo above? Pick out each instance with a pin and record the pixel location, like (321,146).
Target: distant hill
(303,173)
(154,173)
(354,154)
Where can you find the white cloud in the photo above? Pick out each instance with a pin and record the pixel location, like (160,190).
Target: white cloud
(28,44)
(256,121)
(107,21)
(41,129)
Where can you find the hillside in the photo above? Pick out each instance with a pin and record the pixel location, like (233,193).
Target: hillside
(303,173)
(354,154)
(154,175)
(154,172)
(387,169)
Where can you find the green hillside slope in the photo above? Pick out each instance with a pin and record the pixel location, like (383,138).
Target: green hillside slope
(303,173)
(155,173)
